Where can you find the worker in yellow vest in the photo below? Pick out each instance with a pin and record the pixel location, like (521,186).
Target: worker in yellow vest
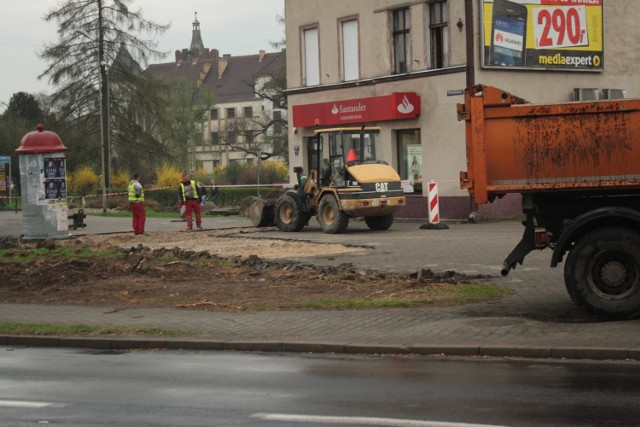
(188,194)
(136,205)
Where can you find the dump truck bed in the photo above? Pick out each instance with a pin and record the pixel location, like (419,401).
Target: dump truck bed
(517,147)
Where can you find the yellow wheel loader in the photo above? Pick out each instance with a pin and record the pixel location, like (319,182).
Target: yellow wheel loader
(345,180)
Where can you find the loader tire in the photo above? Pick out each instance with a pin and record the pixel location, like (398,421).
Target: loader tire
(602,273)
(288,214)
(331,219)
(382,222)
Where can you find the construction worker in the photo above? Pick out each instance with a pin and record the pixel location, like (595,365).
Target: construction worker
(136,205)
(188,194)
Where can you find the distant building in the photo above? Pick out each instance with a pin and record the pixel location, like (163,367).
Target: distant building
(230,78)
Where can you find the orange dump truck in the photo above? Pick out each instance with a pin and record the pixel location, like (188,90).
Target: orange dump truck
(577,166)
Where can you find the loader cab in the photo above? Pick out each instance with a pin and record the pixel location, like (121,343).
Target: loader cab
(333,151)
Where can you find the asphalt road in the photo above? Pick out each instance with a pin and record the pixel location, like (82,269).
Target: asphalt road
(168,388)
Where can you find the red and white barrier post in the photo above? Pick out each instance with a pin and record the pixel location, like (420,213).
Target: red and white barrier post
(434,208)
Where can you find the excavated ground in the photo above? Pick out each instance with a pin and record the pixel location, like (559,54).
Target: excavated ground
(213,269)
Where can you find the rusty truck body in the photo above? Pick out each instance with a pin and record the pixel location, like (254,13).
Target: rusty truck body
(577,166)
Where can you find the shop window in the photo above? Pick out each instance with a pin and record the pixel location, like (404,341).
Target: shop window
(311,58)
(410,156)
(438,31)
(350,51)
(401,41)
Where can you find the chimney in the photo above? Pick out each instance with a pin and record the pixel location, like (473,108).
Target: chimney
(203,74)
(260,55)
(222,65)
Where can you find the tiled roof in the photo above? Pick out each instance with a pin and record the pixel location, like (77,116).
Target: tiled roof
(235,83)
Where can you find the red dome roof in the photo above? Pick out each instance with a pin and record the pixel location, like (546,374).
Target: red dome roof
(40,141)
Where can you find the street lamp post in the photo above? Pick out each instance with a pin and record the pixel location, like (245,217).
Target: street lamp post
(104,120)
(104,133)
(261,156)
(102,141)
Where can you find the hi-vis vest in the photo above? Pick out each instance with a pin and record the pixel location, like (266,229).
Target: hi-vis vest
(132,194)
(193,187)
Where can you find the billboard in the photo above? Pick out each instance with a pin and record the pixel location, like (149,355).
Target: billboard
(543,34)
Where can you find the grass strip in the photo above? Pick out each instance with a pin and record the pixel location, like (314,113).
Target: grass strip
(45,329)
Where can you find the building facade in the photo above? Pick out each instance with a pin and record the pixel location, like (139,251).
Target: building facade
(402,66)
(240,123)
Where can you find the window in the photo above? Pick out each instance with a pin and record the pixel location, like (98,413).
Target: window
(231,113)
(401,41)
(439,34)
(215,138)
(350,52)
(248,111)
(249,137)
(409,155)
(232,138)
(214,114)
(311,58)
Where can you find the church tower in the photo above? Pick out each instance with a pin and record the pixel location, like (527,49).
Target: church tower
(197,46)
(196,50)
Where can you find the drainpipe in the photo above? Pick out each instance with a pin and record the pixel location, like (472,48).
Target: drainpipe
(468,17)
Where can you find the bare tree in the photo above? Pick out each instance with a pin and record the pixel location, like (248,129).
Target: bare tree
(265,133)
(94,66)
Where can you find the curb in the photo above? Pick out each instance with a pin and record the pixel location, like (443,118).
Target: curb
(136,343)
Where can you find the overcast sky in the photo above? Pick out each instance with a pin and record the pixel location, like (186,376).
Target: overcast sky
(237,27)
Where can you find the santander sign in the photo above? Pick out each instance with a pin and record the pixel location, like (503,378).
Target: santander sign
(395,106)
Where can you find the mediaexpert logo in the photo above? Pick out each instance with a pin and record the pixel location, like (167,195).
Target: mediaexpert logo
(405,107)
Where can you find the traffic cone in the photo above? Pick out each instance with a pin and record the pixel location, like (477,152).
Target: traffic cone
(352,156)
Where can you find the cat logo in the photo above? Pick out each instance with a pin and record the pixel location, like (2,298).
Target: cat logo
(381,187)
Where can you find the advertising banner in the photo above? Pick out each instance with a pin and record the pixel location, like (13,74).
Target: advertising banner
(543,34)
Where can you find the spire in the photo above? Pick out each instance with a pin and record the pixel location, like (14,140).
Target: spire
(197,46)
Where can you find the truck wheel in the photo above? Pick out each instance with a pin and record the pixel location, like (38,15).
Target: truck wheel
(379,222)
(331,218)
(602,273)
(288,214)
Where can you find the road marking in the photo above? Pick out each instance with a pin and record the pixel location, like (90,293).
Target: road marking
(370,421)
(23,404)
